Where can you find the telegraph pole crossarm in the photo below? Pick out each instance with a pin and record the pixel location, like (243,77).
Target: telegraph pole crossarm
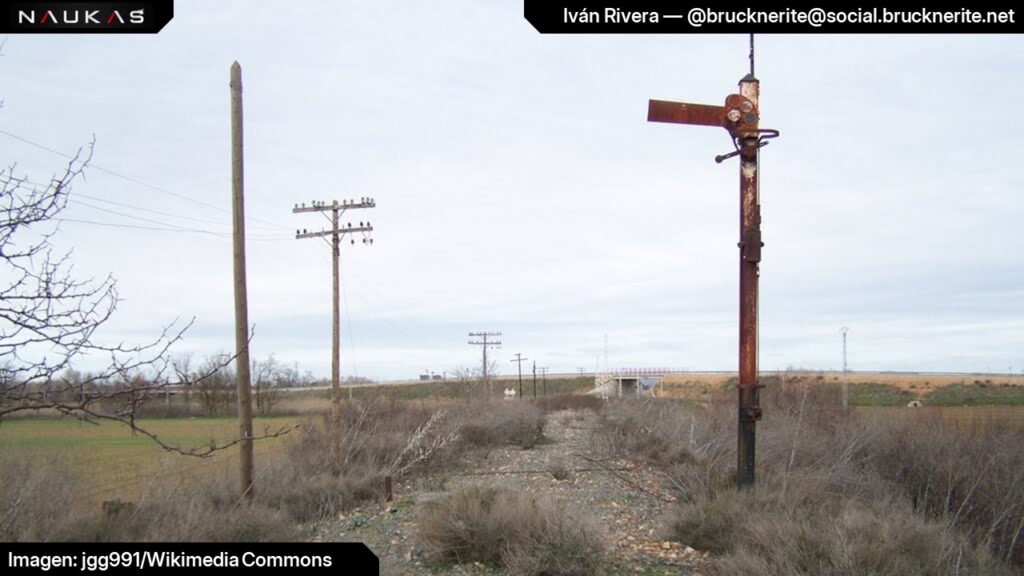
(740,116)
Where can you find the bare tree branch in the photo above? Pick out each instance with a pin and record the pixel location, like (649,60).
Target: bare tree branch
(49,320)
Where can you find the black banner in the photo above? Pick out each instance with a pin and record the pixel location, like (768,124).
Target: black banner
(694,17)
(85,17)
(194,559)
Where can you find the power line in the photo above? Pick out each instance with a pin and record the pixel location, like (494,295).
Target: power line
(169,225)
(149,210)
(348,325)
(164,229)
(77,195)
(136,227)
(134,180)
(139,218)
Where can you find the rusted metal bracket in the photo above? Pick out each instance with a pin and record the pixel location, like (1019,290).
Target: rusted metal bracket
(750,413)
(751,245)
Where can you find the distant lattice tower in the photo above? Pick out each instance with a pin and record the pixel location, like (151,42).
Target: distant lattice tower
(604,385)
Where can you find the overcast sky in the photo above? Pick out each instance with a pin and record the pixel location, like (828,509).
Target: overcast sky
(520,189)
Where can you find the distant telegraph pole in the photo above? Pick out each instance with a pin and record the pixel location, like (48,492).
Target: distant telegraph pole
(846,386)
(519,360)
(484,344)
(241,298)
(535,379)
(335,233)
(544,379)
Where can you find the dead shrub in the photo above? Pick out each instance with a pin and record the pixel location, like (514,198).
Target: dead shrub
(557,402)
(715,522)
(658,432)
(970,476)
(878,539)
(505,423)
(379,437)
(968,481)
(529,534)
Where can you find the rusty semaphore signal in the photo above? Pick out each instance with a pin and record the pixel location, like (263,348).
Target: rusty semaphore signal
(740,115)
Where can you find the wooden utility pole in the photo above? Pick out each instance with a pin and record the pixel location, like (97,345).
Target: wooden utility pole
(740,116)
(335,233)
(241,299)
(519,360)
(544,379)
(846,384)
(484,344)
(535,379)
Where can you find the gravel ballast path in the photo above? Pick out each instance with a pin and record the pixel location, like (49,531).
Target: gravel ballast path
(627,502)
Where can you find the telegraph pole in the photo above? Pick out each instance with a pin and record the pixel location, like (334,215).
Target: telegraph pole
(846,386)
(534,379)
(740,116)
(242,365)
(544,379)
(336,233)
(519,360)
(484,344)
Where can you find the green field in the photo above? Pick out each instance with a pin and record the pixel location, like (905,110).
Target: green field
(115,463)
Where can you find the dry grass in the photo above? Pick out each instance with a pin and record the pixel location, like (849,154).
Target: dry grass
(110,462)
(557,402)
(558,467)
(40,502)
(299,483)
(882,539)
(379,437)
(531,535)
(702,386)
(951,487)
(501,423)
(650,430)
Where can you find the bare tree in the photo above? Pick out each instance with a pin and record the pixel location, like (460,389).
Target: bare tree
(214,384)
(49,320)
(469,382)
(269,376)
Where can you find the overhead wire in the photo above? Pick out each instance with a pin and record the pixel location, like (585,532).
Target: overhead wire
(166,229)
(135,180)
(151,211)
(170,226)
(163,226)
(137,227)
(348,321)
